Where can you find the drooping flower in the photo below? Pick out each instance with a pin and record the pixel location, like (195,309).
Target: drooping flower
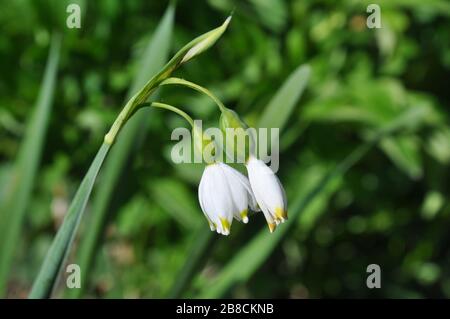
(224,193)
(268,191)
(265,185)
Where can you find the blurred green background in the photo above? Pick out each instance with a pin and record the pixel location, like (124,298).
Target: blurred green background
(387,204)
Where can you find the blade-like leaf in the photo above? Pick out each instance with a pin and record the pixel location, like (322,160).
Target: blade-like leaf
(58,251)
(13,209)
(202,243)
(405,153)
(184,210)
(152,60)
(283,103)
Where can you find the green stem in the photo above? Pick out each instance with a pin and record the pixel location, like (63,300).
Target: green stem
(196,87)
(173,109)
(133,105)
(129,109)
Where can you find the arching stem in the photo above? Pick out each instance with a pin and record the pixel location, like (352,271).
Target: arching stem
(173,109)
(196,87)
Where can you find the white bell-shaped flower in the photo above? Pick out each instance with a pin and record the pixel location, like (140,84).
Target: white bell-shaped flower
(268,191)
(224,193)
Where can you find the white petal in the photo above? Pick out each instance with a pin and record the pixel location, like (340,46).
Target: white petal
(237,187)
(221,200)
(203,197)
(245,182)
(268,191)
(283,192)
(253,203)
(255,184)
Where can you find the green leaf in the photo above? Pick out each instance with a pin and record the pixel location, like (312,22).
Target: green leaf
(152,60)
(281,106)
(184,210)
(432,204)
(13,209)
(404,151)
(48,274)
(198,251)
(438,145)
(272,13)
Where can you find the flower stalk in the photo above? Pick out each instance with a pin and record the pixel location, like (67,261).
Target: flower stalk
(175,110)
(196,87)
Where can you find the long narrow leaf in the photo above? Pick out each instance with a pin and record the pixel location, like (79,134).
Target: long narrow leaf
(202,243)
(12,212)
(283,103)
(58,251)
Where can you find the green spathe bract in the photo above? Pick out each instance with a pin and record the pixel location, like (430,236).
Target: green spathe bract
(188,52)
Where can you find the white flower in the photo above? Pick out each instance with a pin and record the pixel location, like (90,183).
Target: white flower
(224,193)
(269,192)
